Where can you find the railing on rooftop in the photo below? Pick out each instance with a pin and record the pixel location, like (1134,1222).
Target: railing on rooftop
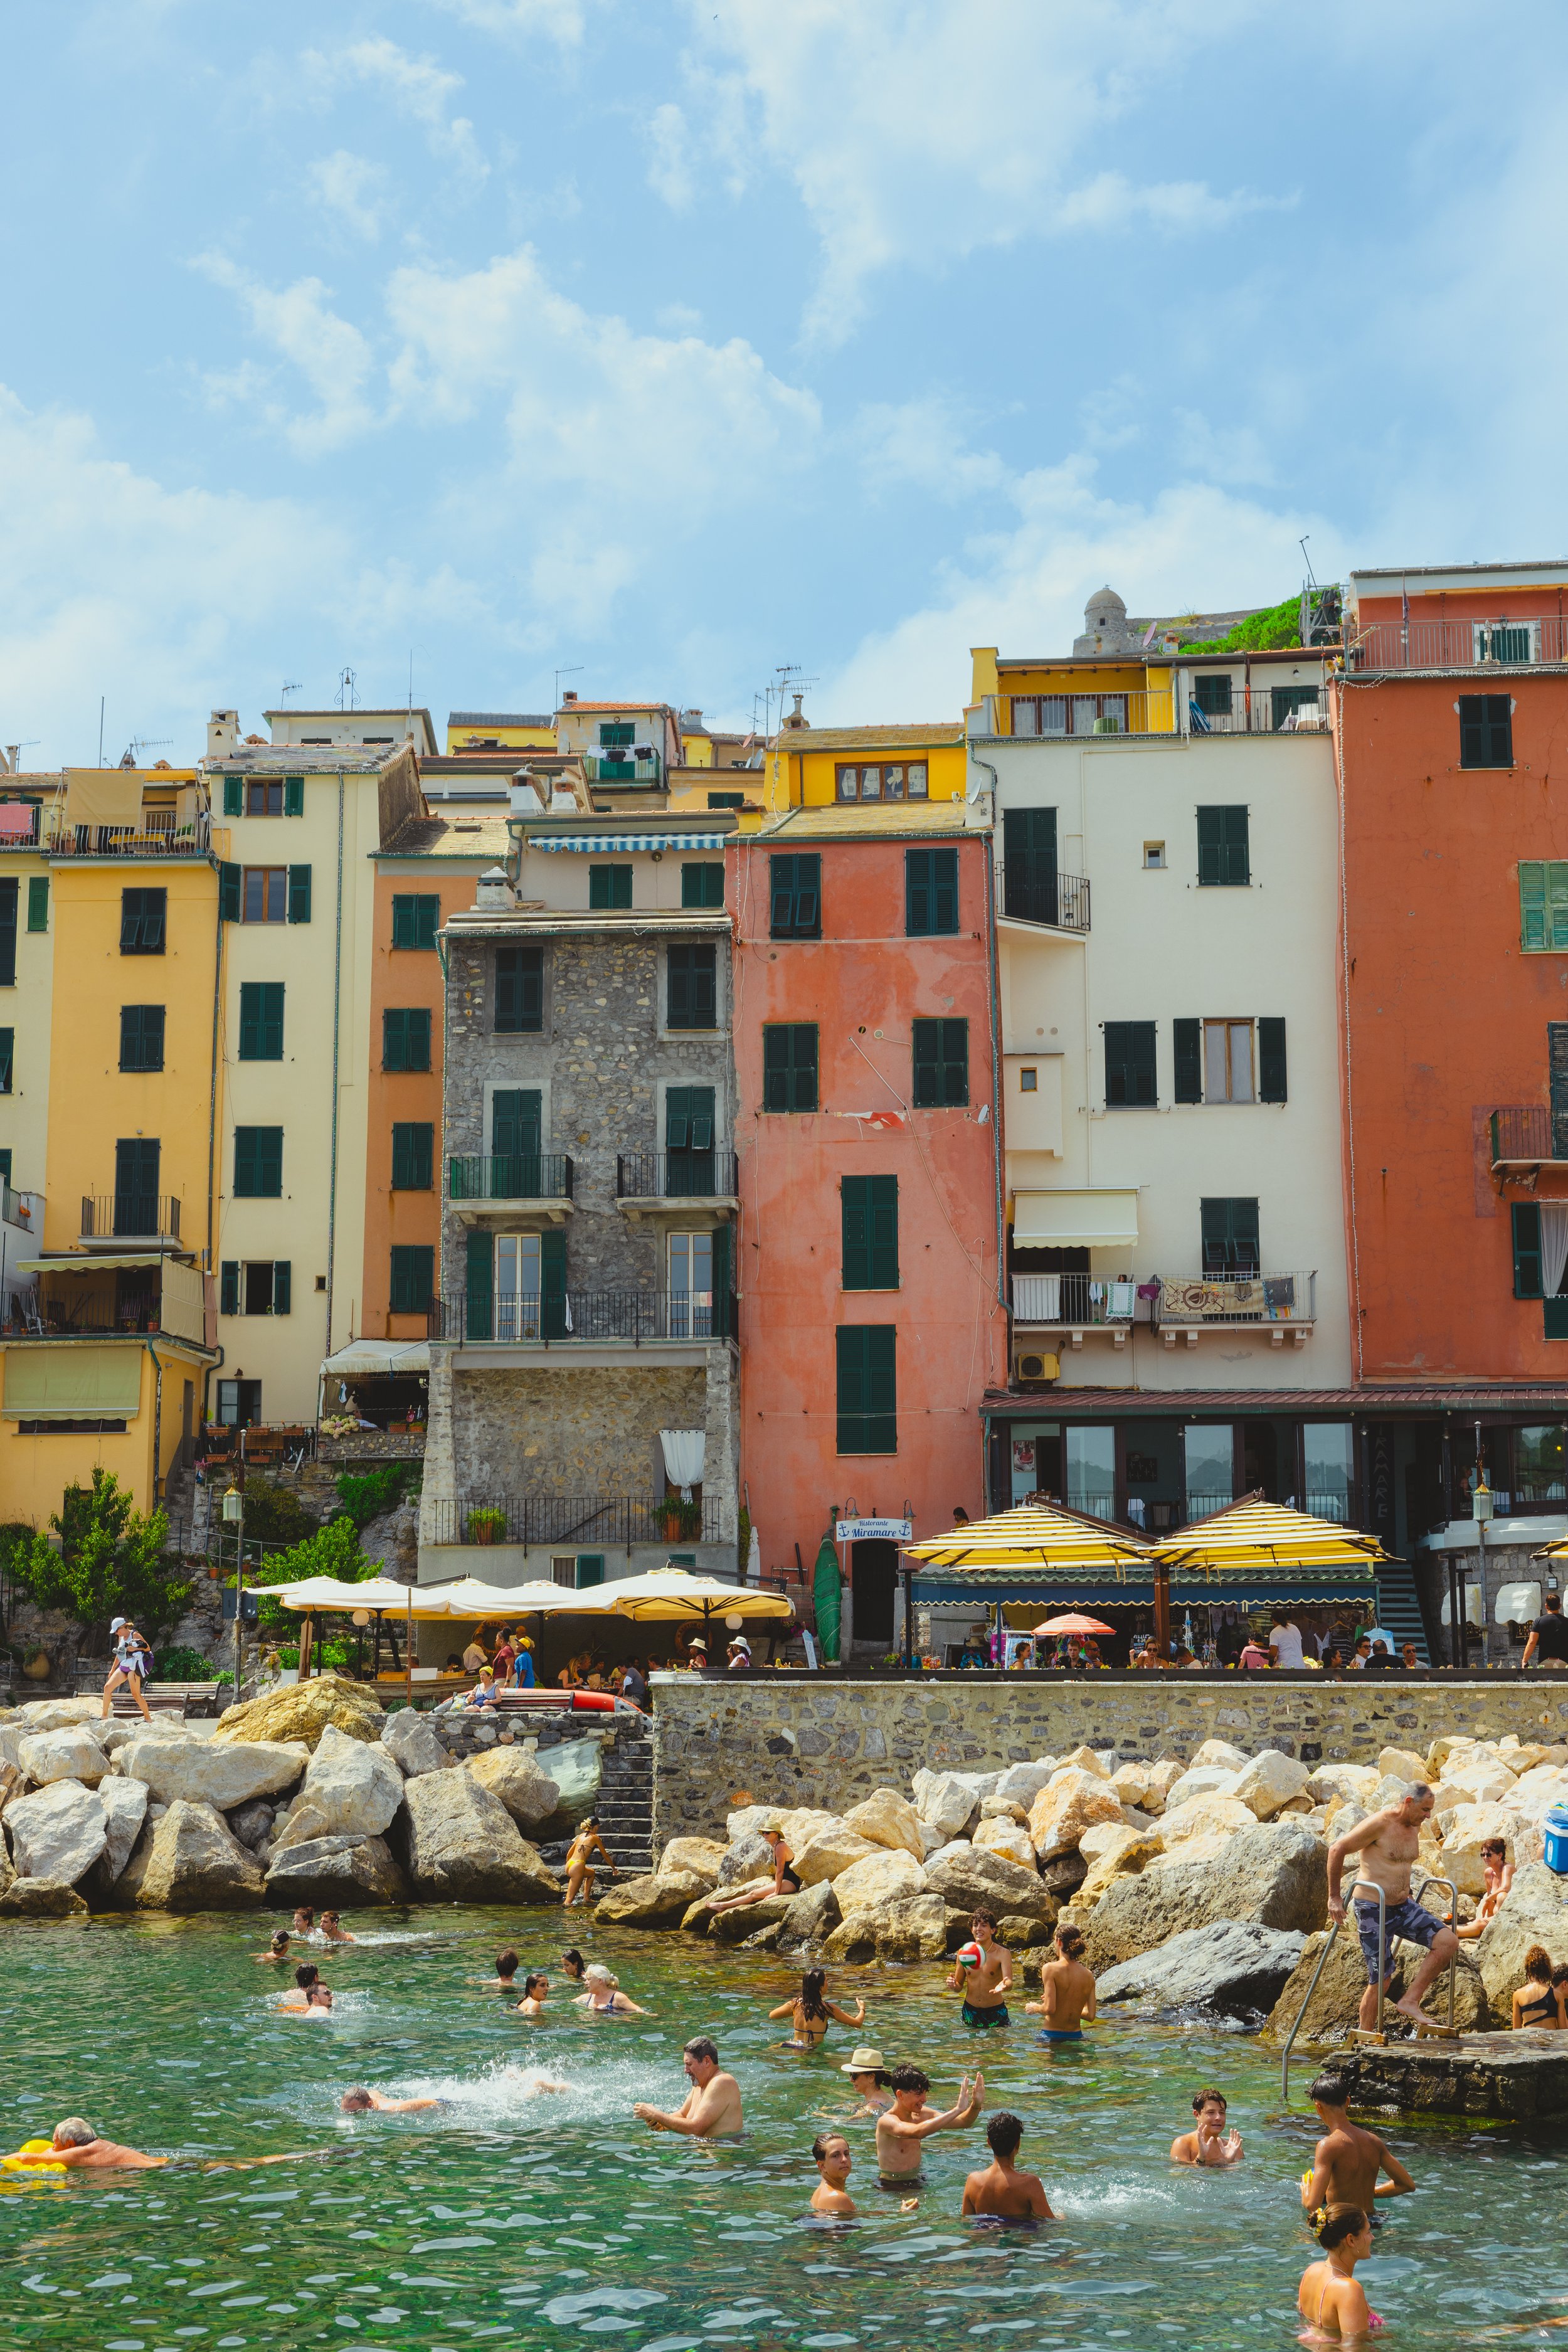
(509,1176)
(154,838)
(1056,901)
(19,825)
(1069,716)
(1073,1299)
(1527,1135)
(76,1306)
(588,1522)
(621,768)
(1187,1300)
(1508,641)
(548,1319)
(129,1216)
(1262,710)
(677,1176)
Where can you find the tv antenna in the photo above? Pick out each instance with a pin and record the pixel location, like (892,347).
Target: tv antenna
(348,697)
(13,753)
(1301,544)
(140,743)
(575,671)
(291,686)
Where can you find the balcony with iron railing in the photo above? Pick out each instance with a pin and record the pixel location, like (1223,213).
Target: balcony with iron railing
(647,1178)
(498,1177)
(160,836)
(1061,1301)
(108,1217)
(584,1318)
(646,769)
(1028,893)
(19,823)
(1190,1304)
(1527,1136)
(23,1210)
(1259,710)
(589,1522)
(1506,641)
(88,1300)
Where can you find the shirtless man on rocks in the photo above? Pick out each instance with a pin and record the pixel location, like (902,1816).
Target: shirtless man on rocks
(1385,1847)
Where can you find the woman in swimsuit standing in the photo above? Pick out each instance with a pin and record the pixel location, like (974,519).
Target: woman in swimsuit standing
(1538,2000)
(1329,2299)
(129,1664)
(810,2011)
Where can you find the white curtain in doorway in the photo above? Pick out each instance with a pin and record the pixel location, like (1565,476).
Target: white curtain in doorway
(683,1450)
(1554,1244)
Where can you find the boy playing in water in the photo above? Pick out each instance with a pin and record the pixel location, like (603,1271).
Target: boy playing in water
(1066,1990)
(1001,2190)
(831,2153)
(1209,2142)
(909,2121)
(1346,2164)
(987,1981)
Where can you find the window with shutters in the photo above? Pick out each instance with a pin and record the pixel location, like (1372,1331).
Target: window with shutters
(143,920)
(141,1037)
(1224,851)
(789,1065)
(228,1273)
(1130,1082)
(1486,730)
(883,780)
(261,1020)
(413,1156)
(1229,1061)
(1229,1071)
(868,1212)
(255,1286)
(1029,889)
(868,1388)
(931,893)
(941,1051)
(9,892)
(413,1286)
(1530,1253)
(7,1060)
(692,988)
(264,796)
(1211,692)
(702,882)
(38,902)
(264,894)
(614,732)
(794,898)
(1557,1081)
(293,795)
(259,1163)
(520,988)
(405,1037)
(416,920)
(299,894)
(609,886)
(1543,905)
(1229,1237)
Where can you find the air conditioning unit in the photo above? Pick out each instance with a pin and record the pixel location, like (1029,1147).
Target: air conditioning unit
(1033,1368)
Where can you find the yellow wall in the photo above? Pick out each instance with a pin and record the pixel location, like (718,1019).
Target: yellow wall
(519,739)
(794,778)
(1152,714)
(696,751)
(35,1471)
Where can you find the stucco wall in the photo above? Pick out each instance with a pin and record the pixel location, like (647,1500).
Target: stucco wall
(809,1741)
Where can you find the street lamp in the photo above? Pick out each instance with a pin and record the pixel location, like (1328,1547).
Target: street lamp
(234,1516)
(1481,1510)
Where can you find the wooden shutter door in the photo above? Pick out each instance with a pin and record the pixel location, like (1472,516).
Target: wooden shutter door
(1557,1064)
(854,1216)
(552,1283)
(1531,904)
(516,1128)
(1271,1061)
(480,1270)
(1187,1041)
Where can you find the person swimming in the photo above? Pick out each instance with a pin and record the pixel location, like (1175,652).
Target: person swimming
(1329,2298)
(1347,2161)
(603,1997)
(1066,1990)
(278,1949)
(318,2003)
(573,1963)
(867,2070)
(830,2153)
(362,2102)
(507,1965)
(1209,2142)
(307,1976)
(909,2121)
(333,1931)
(305,1920)
(535,1988)
(811,2010)
(1001,2192)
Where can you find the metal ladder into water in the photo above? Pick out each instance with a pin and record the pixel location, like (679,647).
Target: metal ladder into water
(1374,2033)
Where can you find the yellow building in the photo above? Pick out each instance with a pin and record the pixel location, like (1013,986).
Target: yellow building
(817,767)
(499,730)
(107,1348)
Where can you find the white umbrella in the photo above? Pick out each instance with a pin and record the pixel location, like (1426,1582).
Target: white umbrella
(675,1593)
(469,1597)
(328,1592)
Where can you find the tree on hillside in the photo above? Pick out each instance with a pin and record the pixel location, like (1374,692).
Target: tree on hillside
(109,1560)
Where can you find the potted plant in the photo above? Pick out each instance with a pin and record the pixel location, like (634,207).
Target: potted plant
(487,1525)
(36,1664)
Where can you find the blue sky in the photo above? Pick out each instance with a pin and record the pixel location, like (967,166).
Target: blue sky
(666,343)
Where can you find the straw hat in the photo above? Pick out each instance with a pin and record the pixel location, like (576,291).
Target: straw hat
(864,2062)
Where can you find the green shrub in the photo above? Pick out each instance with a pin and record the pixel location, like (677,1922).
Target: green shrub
(485,1523)
(333,1550)
(1260,633)
(110,1562)
(274,1514)
(369,1494)
(184,1666)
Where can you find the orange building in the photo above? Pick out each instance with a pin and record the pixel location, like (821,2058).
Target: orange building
(866,1060)
(1455,1031)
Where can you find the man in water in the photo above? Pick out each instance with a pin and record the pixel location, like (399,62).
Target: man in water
(333,1930)
(1345,2165)
(362,2102)
(986,1982)
(1209,2142)
(307,1979)
(1001,2189)
(505,1975)
(1386,1845)
(908,2120)
(711,2109)
(1066,1990)
(318,2003)
(831,2154)
(77,2144)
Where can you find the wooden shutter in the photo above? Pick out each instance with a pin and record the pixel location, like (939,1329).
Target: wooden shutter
(870,1217)
(427,921)
(1187,1040)
(293,795)
(1130,1072)
(688,1119)
(1526,1250)
(8,1062)
(520,988)
(1531,904)
(724,1318)
(917,922)
(1224,851)
(481,1269)
(1270,1060)
(1557,1074)
(282,1285)
(552,1283)
(229,886)
(693,978)
(9,896)
(38,902)
(393,1038)
(413,1156)
(234,805)
(228,1277)
(517,1122)
(702,885)
(418,1018)
(299,894)
(789,1065)
(867,1389)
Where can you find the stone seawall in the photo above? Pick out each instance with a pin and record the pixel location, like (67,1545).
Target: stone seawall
(806,1741)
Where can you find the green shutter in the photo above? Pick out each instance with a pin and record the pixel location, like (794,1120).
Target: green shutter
(1531,904)
(228,1286)
(293,795)
(299,894)
(724,1286)
(1229,1232)
(789,1065)
(428,922)
(420,1038)
(1187,1038)
(1270,1060)
(282,1285)
(413,1156)
(259,1163)
(552,1283)
(402,1038)
(1223,849)
(869,1215)
(702,885)
(38,902)
(8,1059)
(1130,1071)
(413,1280)
(229,884)
(693,989)
(414,920)
(481,1287)
(590,1568)
(609,886)
(1527,1281)
(867,1389)
(520,988)
(931,893)
(234,804)
(688,1119)
(261,1021)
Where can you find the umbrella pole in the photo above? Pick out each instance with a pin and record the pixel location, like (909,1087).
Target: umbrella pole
(1162,1610)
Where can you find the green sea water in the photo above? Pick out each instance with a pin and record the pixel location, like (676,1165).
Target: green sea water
(558,2221)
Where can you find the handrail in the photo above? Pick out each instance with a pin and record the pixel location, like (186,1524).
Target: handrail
(1356,1884)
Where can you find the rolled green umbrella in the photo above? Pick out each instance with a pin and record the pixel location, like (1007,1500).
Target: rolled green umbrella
(827,1588)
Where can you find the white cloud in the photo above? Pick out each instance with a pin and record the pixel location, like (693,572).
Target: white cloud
(921,445)
(351,190)
(417,88)
(557,20)
(1176,208)
(333,356)
(670,169)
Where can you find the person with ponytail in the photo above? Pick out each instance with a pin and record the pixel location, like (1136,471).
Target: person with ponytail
(811,2009)
(1066,1990)
(1329,2299)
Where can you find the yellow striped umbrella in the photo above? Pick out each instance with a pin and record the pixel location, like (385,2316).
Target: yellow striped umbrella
(1037,1535)
(1253,1536)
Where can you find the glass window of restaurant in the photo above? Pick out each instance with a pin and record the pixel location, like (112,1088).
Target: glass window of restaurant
(1328,1459)
(1209,1454)
(1091,1470)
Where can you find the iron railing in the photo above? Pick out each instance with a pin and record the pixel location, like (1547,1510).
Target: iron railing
(263,1443)
(129,1216)
(1073,1298)
(514,1318)
(1058,901)
(50,1314)
(677,1176)
(1186,1299)
(1506,641)
(14,1209)
(1057,715)
(1256,711)
(583,1521)
(152,840)
(509,1176)
(19,828)
(608,768)
(1527,1134)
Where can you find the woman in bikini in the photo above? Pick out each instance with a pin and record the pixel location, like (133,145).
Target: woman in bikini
(535,1990)
(1333,2306)
(784,1879)
(1498,1871)
(810,2011)
(130,1663)
(580,1863)
(278,1949)
(1539,2001)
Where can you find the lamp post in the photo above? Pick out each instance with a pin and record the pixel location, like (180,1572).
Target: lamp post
(234,1516)
(1481,1509)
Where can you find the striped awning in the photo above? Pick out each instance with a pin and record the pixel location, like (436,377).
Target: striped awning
(603,845)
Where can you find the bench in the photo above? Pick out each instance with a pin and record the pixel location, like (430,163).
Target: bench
(189,1701)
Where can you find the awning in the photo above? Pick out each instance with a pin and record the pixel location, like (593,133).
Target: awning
(362,1357)
(111,796)
(1075,1220)
(985,1589)
(73,1381)
(604,844)
(104,1263)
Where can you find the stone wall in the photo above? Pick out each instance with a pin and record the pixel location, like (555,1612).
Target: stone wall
(820,1740)
(561,1430)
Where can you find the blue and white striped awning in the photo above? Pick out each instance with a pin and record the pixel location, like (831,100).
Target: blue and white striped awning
(602,845)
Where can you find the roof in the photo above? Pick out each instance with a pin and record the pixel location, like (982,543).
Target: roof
(485,838)
(1462,575)
(1377,1403)
(310,759)
(863,738)
(569,922)
(499,719)
(628,702)
(866,821)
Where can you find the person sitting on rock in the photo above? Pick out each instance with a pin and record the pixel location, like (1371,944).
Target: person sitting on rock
(1539,2001)
(1498,1871)
(784,1882)
(484,1691)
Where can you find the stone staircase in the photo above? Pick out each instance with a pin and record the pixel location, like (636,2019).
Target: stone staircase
(625,1795)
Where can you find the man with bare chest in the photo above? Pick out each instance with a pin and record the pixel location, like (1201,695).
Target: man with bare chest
(1385,1847)
(983,1973)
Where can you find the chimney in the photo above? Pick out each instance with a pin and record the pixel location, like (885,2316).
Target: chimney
(569,695)
(223,733)
(797,717)
(692,723)
(493,893)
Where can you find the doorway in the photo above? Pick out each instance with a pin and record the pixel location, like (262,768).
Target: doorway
(1259,1464)
(873,1578)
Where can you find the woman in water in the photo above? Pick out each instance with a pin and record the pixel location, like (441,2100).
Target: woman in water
(603,1997)
(304,1920)
(572,1960)
(1334,2308)
(784,1879)
(1538,2000)
(868,2074)
(535,1986)
(810,2011)
(278,1949)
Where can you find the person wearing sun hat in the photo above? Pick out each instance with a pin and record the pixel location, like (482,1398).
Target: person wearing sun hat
(868,2071)
(696,1654)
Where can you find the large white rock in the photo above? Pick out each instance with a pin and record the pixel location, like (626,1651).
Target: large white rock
(1221,1752)
(457,1843)
(1022,1783)
(830,1852)
(1213,1812)
(884,1876)
(71,1753)
(1482,1783)
(1274,1872)
(692,1857)
(798,1823)
(1268,1780)
(1090,1760)
(1534,1911)
(1069,1805)
(889,1820)
(223,1773)
(1202,1780)
(49,1714)
(408,1739)
(124,1804)
(527,1791)
(1159,1782)
(1118,1852)
(354,1785)
(1459,1855)
(1351,1784)
(1007,1838)
(57,1834)
(190,1859)
(945,1802)
(1401,1764)
(1131,1782)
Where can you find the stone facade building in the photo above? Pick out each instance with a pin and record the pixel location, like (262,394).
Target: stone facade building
(584,1386)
